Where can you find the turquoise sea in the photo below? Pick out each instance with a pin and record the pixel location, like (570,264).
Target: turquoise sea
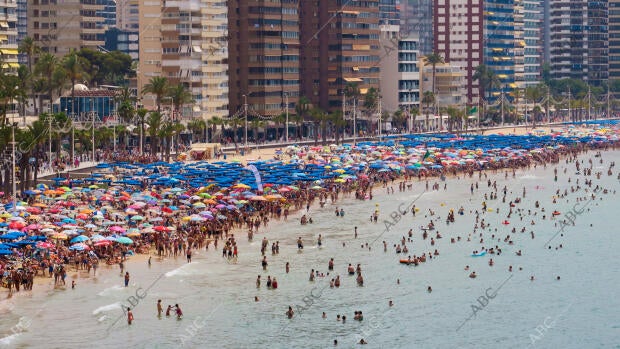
(498,309)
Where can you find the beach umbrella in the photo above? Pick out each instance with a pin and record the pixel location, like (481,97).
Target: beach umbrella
(79,247)
(96,238)
(103,243)
(117,229)
(137,218)
(59,236)
(124,240)
(45,244)
(80,238)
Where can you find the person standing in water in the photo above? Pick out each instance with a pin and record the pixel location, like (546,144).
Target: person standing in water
(178,311)
(129,316)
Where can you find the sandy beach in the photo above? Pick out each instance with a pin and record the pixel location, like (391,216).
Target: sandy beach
(219,275)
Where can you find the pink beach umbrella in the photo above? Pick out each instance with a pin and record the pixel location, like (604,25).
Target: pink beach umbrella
(117,229)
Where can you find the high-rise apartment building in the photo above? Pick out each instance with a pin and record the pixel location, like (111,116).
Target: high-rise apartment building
(8,34)
(416,20)
(214,58)
(579,40)
(59,27)
(598,42)
(263,47)
(389,12)
(185,42)
(459,38)
(108,14)
(400,74)
(181,41)
(150,49)
(533,32)
(614,39)
(22,25)
(339,46)
(127,15)
(499,43)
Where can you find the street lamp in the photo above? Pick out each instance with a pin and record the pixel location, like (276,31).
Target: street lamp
(13,143)
(245,114)
(286,125)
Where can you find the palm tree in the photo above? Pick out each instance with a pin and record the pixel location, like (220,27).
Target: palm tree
(141,116)
(125,101)
(29,48)
(481,74)
(302,108)
(154,120)
(413,112)
(59,79)
(180,96)
(319,117)
(74,68)
(370,105)
(428,98)
(214,122)
(399,119)
(338,122)
(433,59)
(45,67)
(9,92)
(278,120)
(157,86)
(168,130)
(535,94)
(197,126)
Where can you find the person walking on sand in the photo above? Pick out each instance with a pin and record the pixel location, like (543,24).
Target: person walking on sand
(189,255)
(129,316)
(126,279)
(160,309)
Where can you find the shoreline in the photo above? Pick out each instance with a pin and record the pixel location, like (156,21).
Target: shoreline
(299,265)
(240,234)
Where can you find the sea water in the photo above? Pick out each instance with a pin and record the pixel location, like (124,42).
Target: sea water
(498,309)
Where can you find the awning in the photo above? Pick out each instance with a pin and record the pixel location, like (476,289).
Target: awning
(196,48)
(196,108)
(502,76)
(8,51)
(4,37)
(350,12)
(361,47)
(356,68)
(353,80)
(4,24)
(363,90)
(10,65)
(513,85)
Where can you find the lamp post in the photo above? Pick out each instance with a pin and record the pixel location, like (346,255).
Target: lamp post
(14,177)
(92,111)
(354,121)
(245,115)
(286,125)
(49,133)
(73,141)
